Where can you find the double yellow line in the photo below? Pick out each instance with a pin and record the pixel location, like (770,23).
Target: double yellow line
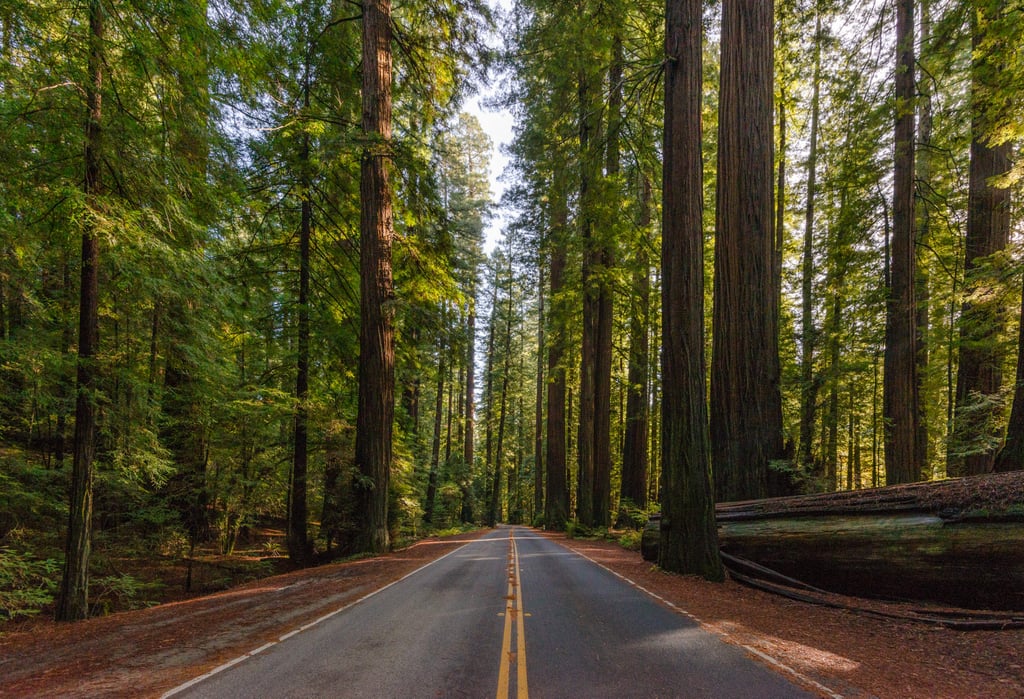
(513,617)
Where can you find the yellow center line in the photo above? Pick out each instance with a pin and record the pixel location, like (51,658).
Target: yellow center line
(521,685)
(513,610)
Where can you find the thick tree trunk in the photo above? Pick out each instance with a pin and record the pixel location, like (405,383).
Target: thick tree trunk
(299,550)
(602,498)
(689,542)
(903,462)
(72,600)
(494,486)
(746,403)
(411,391)
(538,414)
(466,514)
(923,231)
(588,132)
(506,369)
(556,505)
(374,424)
(634,452)
(435,445)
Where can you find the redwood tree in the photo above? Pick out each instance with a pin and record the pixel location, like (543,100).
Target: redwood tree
(556,504)
(634,450)
(689,539)
(746,403)
(903,460)
(374,423)
(72,603)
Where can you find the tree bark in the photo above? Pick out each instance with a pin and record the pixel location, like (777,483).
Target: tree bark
(538,415)
(602,499)
(435,446)
(556,505)
(903,462)
(591,304)
(634,452)
(72,600)
(923,232)
(746,403)
(375,421)
(494,487)
(466,513)
(689,541)
(299,550)
(496,508)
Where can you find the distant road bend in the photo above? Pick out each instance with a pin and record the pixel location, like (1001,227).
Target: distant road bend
(512,614)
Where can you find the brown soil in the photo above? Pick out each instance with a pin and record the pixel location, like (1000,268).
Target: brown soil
(143,653)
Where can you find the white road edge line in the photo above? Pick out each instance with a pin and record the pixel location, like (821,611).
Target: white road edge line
(775,662)
(245,656)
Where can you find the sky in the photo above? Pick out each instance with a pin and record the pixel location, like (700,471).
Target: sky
(498,125)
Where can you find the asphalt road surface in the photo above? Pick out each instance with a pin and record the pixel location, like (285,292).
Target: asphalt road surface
(509,615)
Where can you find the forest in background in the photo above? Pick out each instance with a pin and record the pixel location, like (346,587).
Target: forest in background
(212,155)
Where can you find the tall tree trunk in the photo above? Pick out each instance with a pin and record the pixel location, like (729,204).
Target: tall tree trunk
(374,424)
(689,539)
(634,451)
(810,384)
(922,282)
(454,387)
(746,403)
(538,410)
(435,446)
(499,455)
(466,514)
(72,601)
(556,504)
(411,391)
(299,550)
(834,372)
(982,319)
(588,133)
(850,439)
(64,386)
(606,260)
(903,463)
(494,488)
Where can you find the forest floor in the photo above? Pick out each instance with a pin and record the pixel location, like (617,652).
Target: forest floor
(145,652)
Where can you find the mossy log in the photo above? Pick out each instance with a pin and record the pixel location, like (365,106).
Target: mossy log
(957,542)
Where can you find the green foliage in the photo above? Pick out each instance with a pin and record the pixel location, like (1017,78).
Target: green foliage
(27,584)
(630,540)
(120,592)
(31,499)
(632,516)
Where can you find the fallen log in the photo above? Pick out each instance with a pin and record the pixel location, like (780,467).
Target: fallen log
(956,542)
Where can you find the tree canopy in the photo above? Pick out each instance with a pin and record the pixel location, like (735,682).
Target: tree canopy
(250,273)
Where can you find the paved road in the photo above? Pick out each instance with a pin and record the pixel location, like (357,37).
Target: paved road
(509,615)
